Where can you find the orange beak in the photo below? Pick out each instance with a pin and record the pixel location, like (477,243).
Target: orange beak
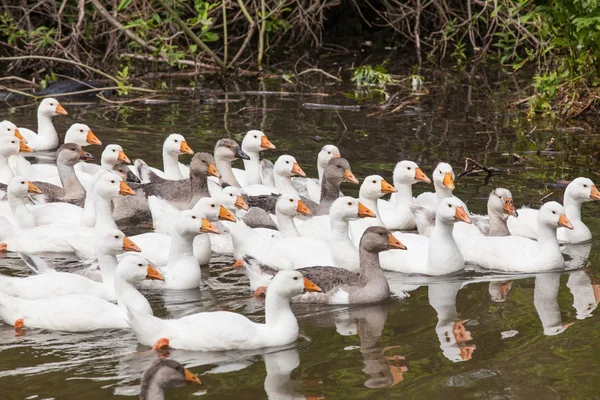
(154,274)
(564,221)
(19,136)
(92,139)
(336,156)
(394,243)
(310,286)
(297,171)
(594,194)
(212,170)
(31,188)
(241,203)
(123,157)
(461,215)
(185,148)
(266,143)
(302,209)
(349,177)
(449,181)
(386,187)
(191,377)
(128,245)
(207,227)
(509,208)
(421,177)
(3,247)
(24,148)
(225,215)
(60,110)
(238,264)
(125,190)
(365,212)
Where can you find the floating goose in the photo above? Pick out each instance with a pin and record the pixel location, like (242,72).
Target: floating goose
(174,145)
(227,151)
(9,147)
(372,188)
(222,330)
(254,142)
(7,128)
(163,374)
(112,155)
(18,189)
(336,172)
(580,190)
(46,137)
(443,182)
(311,188)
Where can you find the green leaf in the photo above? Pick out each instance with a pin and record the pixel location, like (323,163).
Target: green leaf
(123,5)
(210,37)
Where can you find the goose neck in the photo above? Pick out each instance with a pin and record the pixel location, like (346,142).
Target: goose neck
(278,313)
(252,168)
(224,168)
(70,183)
(404,195)
(330,191)
(171,165)
(442,191)
(340,228)
(102,206)
(286,224)
(320,171)
(46,128)
(371,204)
(498,226)
(546,236)
(129,297)
(24,216)
(182,245)
(108,267)
(152,390)
(572,208)
(370,267)
(198,187)
(283,184)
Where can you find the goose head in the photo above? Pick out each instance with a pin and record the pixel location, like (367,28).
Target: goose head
(50,107)
(113,154)
(500,203)
(11,145)
(290,204)
(582,190)
(338,170)
(328,152)
(71,153)
(552,214)
(114,242)
(193,223)
(290,283)
(231,198)
(203,164)
(176,144)
(256,141)
(408,172)
(443,176)
(82,135)
(451,210)
(123,171)
(109,184)
(377,239)
(287,166)
(135,268)
(349,209)
(21,187)
(374,187)
(7,128)
(213,210)
(228,150)
(165,373)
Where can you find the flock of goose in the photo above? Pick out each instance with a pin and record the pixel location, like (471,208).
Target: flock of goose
(298,239)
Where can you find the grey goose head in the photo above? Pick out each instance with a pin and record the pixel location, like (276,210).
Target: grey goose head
(71,154)
(228,150)
(164,373)
(376,239)
(338,171)
(123,171)
(500,203)
(202,165)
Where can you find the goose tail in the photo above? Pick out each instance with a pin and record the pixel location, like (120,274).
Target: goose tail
(258,273)
(37,264)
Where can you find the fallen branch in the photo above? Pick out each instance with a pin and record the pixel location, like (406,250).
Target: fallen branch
(321,72)
(316,106)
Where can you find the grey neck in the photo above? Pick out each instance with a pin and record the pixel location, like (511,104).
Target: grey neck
(199,188)
(151,390)
(72,188)
(369,266)
(498,225)
(330,191)
(226,172)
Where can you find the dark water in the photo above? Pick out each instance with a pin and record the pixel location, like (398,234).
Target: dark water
(453,338)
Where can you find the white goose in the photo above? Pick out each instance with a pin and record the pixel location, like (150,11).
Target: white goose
(221,330)
(443,182)
(78,313)
(7,128)
(9,147)
(284,169)
(46,137)
(174,145)
(580,190)
(311,188)
(372,188)
(17,190)
(254,142)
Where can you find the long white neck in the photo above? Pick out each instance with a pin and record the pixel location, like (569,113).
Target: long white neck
(129,297)
(108,267)
(340,238)
(283,184)
(546,238)
(182,245)
(252,168)
(25,218)
(278,314)
(321,170)
(227,176)
(107,163)
(442,191)
(286,224)
(573,208)
(103,209)
(6,172)
(46,129)
(404,195)
(240,233)
(444,256)
(371,204)
(171,165)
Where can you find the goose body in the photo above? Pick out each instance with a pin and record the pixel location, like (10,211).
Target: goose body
(254,142)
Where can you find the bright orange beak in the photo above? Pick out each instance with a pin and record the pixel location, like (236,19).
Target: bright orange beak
(154,274)
(92,139)
(185,148)
(241,203)
(461,215)
(125,190)
(31,188)
(310,286)
(207,227)
(449,181)
(421,177)
(365,212)
(60,110)
(394,243)
(19,136)
(386,187)
(212,170)
(123,157)
(297,171)
(128,245)
(349,177)
(3,247)
(225,215)
(191,377)
(266,143)
(564,221)
(302,208)
(24,148)
(336,156)
(594,194)
(509,207)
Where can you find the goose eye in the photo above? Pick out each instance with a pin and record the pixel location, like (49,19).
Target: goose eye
(8,129)
(291,200)
(212,205)
(295,278)
(13,142)
(328,152)
(339,167)
(408,168)
(382,234)
(499,197)
(287,162)
(140,265)
(114,151)
(193,217)
(230,194)
(584,185)
(374,181)
(255,137)
(112,181)
(81,130)
(440,172)
(349,203)
(175,140)
(116,236)
(449,205)
(553,212)
(22,183)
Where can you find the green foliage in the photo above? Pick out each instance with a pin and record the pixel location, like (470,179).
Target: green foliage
(367,77)
(123,78)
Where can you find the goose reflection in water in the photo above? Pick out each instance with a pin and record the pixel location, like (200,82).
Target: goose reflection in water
(585,288)
(546,305)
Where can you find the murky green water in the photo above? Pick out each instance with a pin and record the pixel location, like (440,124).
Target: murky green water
(511,343)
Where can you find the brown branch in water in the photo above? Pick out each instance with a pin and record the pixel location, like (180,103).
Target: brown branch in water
(317,106)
